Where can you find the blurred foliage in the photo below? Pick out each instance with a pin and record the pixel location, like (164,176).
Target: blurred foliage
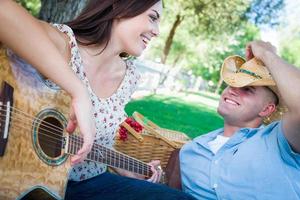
(214,52)
(212,30)
(33,6)
(290,46)
(209,31)
(262,12)
(206,19)
(289,34)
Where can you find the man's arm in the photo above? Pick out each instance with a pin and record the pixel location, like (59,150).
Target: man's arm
(287,78)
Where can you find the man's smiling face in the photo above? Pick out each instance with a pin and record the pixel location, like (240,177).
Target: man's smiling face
(242,104)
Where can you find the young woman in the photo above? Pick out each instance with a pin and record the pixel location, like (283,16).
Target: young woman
(99,81)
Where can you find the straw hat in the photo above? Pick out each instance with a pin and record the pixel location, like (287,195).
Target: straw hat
(236,72)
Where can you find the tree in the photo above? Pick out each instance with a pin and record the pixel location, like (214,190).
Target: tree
(169,40)
(198,14)
(290,46)
(262,12)
(289,31)
(210,60)
(33,6)
(55,11)
(210,18)
(60,11)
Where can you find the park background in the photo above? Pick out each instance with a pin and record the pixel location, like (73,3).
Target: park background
(180,82)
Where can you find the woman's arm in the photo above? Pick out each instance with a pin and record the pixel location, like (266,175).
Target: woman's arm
(28,38)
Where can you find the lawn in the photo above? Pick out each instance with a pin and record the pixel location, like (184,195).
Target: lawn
(178,113)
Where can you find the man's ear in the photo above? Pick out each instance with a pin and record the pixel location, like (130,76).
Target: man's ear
(268,110)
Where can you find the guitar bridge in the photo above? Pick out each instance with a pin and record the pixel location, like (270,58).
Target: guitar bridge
(6,104)
(65,143)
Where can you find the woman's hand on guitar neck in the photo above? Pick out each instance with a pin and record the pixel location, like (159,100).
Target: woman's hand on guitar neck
(81,114)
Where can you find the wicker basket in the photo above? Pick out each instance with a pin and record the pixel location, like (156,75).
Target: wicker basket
(170,134)
(148,145)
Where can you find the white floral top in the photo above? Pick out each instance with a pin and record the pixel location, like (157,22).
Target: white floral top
(108,112)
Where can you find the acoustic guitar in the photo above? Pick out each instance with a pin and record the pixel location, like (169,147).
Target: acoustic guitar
(34,146)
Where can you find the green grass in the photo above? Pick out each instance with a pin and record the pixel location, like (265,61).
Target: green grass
(206,94)
(192,118)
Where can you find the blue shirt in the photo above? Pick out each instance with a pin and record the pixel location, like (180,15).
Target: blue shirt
(255,163)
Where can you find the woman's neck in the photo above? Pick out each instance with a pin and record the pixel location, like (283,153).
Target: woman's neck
(100,57)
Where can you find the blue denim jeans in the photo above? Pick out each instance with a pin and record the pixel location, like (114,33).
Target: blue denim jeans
(109,186)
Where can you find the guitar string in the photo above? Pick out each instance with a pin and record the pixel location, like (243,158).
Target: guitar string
(115,157)
(52,126)
(30,116)
(49,132)
(134,161)
(137,166)
(62,136)
(46,130)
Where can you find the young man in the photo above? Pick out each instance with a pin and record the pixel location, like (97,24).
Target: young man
(246,159)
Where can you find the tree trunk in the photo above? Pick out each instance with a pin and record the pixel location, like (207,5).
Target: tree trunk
(163,77)
(61,11)
(169,40)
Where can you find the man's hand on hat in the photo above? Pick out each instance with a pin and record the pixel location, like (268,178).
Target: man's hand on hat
(259,49)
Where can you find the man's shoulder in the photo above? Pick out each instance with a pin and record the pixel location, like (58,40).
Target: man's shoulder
(270,128)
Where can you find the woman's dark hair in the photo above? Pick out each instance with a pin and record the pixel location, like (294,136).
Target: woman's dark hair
(94,24)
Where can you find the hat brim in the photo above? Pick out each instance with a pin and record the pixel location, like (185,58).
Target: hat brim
(235,79)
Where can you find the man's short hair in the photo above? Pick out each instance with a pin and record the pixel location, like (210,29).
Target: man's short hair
(274,96)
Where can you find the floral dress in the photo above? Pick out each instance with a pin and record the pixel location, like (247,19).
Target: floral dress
(108,112)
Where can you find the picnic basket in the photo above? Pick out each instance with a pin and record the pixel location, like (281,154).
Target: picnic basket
(150,144)
(173,135)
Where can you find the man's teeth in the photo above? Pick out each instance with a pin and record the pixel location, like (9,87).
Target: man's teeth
(231,102)
(145,39)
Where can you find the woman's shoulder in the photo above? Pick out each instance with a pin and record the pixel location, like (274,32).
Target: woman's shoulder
(130,64)
(132,70)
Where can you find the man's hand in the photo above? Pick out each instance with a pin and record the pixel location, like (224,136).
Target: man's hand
(81,114)
(155,168)
(287,78)
(259,49)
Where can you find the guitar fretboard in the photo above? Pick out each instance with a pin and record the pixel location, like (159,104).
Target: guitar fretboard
(109,157)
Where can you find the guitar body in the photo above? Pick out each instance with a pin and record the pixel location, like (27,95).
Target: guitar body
(34,147)
(27,162)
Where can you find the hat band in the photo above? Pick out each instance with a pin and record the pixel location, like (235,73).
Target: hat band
(249,73)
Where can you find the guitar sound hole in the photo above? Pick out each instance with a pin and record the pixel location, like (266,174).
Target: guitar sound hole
(50,134)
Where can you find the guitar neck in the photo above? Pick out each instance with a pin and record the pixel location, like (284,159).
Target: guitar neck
(108,156)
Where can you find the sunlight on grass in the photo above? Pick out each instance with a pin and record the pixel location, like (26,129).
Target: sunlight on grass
(177,113)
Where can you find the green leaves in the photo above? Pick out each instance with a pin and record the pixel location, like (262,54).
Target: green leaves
(33,6)
(210,30)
